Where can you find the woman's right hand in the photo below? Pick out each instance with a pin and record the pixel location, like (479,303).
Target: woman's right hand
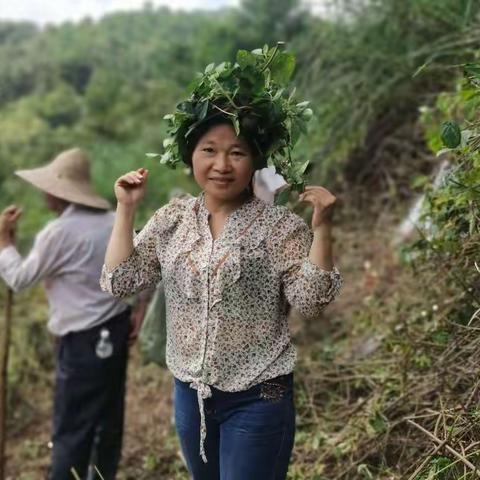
(130,188)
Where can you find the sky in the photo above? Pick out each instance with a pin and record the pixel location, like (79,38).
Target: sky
(56,11)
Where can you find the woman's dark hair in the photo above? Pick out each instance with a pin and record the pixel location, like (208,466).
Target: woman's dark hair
(192,140)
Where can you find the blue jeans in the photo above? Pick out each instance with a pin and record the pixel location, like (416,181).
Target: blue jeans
(250,434)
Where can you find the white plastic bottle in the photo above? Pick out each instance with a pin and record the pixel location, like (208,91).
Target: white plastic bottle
(104,347)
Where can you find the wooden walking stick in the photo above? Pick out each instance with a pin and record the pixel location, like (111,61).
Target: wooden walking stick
(4,351)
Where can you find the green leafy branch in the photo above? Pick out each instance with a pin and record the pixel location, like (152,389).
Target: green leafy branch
(253,93)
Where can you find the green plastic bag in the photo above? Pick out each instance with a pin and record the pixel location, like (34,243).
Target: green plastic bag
(153,334)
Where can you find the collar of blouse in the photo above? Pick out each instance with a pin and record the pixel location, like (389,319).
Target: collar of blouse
(238,226)
(244,230)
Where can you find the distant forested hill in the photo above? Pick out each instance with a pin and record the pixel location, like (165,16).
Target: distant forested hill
(106,85)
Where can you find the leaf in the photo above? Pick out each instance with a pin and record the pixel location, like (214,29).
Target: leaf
(278,95)
(292,94)
(466,136)
(222,68)
(236,125)
(152,155)
(194,84)
(472,70)
(282,197)
(165,158)
(282,68)
(441,337)
(209,68)
(378,423)
(300,169)
(302,104)
(420,69)
(298,187)
(251,81)
(451,135)
(307,114)
(245,59)
(168,141)
(186,107)
(201,110)
(443,151)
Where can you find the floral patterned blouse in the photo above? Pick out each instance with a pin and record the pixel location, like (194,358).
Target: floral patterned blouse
(227,299)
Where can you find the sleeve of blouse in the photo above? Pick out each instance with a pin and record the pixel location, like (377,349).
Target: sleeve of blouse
(142,268)
(308,288)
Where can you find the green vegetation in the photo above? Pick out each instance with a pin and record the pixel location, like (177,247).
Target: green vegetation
(368,72)
(388,380)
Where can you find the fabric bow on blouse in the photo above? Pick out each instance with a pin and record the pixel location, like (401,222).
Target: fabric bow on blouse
(227,299)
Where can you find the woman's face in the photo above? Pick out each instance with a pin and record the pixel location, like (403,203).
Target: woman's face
(222,163)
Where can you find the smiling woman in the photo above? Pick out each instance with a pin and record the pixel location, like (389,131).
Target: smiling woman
(232,267)
(223,167)
(216,140)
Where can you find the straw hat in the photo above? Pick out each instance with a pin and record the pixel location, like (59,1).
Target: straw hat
(67,177)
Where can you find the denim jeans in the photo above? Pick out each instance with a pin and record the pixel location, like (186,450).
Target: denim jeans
(250,434)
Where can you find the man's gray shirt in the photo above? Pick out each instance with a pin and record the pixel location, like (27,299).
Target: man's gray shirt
(68,255)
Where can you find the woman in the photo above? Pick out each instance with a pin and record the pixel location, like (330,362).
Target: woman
(232,266)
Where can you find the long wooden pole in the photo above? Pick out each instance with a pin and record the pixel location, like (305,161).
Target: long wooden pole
(4,351)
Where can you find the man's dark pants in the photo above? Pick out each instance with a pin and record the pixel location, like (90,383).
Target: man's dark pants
(89,402)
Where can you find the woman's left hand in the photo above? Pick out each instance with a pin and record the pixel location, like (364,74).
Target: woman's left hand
(322,201)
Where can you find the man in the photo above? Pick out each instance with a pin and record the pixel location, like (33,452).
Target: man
(91,326)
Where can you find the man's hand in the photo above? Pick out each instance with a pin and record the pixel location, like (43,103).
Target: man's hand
(8,224)
(136,321)
(138,314)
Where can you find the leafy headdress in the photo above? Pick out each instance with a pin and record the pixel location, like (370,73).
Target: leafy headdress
(253,94)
